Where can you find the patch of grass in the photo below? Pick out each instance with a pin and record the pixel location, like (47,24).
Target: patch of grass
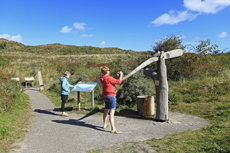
(14,123)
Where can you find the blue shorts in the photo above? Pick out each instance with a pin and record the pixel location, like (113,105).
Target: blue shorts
(110,102)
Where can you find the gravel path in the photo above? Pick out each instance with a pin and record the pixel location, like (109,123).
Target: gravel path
(51,133)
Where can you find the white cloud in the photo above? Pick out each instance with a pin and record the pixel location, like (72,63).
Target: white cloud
(198,6)
(5,35)
(103,43)
(173,18)
(223,34)
(65,29)
(87,35)
(17,38)
(206,6)
(79,26)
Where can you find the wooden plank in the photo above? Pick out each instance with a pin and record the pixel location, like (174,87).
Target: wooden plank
(147,62)
(173,53)
(29,78)
(16,79)
(170,54)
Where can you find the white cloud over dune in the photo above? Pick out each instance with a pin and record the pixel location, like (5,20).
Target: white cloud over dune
(17,38)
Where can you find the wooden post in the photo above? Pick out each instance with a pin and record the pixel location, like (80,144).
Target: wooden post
(162,89)
(78,99)
(92,99)
(40,80)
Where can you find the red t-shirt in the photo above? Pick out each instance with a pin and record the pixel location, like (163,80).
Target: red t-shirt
(108,85)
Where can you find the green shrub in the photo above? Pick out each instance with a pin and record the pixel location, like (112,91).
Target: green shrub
(135,86)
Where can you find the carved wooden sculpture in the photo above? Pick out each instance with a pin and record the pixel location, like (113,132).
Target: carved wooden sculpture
(160,80)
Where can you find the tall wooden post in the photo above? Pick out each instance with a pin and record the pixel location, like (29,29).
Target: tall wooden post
(161,89)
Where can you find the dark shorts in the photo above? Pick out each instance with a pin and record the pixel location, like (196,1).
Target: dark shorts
(110,102)
(64,97)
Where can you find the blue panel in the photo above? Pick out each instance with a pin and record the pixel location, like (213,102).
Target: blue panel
(85,86)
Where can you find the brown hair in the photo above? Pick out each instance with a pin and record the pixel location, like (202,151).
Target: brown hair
(104,69)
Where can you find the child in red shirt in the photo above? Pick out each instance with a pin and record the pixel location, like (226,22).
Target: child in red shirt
(109,96)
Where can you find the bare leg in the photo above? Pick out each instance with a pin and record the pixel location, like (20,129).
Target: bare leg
(105,117)
(111,119)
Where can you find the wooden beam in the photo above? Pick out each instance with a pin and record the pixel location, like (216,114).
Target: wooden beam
(170,54)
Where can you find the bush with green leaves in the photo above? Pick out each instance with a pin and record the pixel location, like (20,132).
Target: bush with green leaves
(134,86)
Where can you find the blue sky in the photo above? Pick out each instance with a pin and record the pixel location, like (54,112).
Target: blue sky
(125,24)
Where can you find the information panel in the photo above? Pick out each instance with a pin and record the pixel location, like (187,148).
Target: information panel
(85,86)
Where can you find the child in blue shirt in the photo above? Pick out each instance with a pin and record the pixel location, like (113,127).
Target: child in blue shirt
(65,91)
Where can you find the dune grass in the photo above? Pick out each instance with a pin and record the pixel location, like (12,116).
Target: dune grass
(14,123)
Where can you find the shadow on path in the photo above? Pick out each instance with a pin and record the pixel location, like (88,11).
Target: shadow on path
(33,89)
(94,111)
(46,112)
(129,113)
(79,123)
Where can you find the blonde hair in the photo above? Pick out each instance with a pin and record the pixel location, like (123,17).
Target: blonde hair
(104,69)
(67,72)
